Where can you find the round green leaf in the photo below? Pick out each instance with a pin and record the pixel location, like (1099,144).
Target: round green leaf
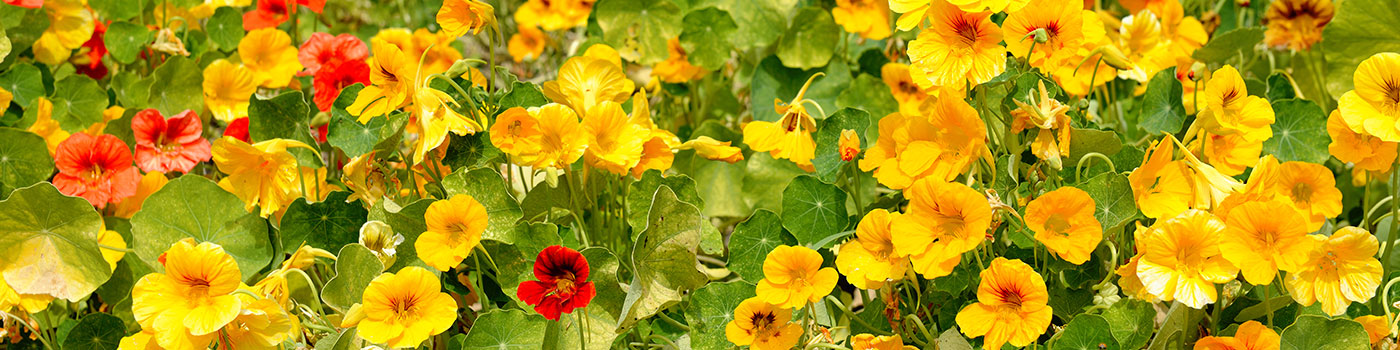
(286,116)
(663,258)
(48,244)
(711,308)
(813,210)
(1113,199)
(178,85)
(1162,109)
(1229,44)
(326,224)
(640,193)
(225,28)
(1300,132)
(24,160)
(760,22)
(96,332)
(25,82)
(1085,332)
(1131,321)
(78,102)
(125,40)
(506,329)
(355,267)
(1313,332)
(751,242)
(196,207)
(706,37)
(809,42)
(639,29)
(1360,29)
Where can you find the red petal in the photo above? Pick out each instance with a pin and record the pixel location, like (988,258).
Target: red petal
(532,292)
(147,127)
(184,127)
(238,129)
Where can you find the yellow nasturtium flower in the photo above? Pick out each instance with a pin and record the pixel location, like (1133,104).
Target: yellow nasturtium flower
(150,183)
(1161,187)
(45,126)
(1231,154)
(1011,306)
(269,53)
(1296,24)
(1229,108)
(1264,237)
(436,118)
(188,304)
(585,82)
(791,136)
(1377,327)
(869,259)
(527,44)
(1341,269)
(562,139)
(884,342)
(959,48)
(517,133)
(762,326)
(1251,335)
(71,24)
(908,93)
(1053,127)
(459,17)
(712,149)
(390,84)
(1364,152)
(263,174)
(794,276)
(1181,258)
(554,14)
(1064,221)
(615,143)
(109,238)
(869,18)
(227,88)
(1312,189)
(455,226)
(262,325)
(1059,23)
(404,309)
(943,221)
(13,302)
(676,69)
(1373,108)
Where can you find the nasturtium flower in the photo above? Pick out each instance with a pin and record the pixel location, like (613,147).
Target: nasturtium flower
(762,326)
(1181,258)
(1229,108)
(913,12)
(561,283)
(516,133)
(1090,65)
(45,126)
(1128,280)
(554,14)
(437,118)
(1161,187)
(1312,188)
(261,325)
(269,53)
(614,141)
(959,135)
(459,17)
(336,76)
(1011,306)
(404,309)
(793,276)
(263,174)
(1231,154)
(227,88)
(940,145)
(943,221)
(324,49)
(848,145)
(142,340)
(883,342)
(868,18)
(1264,237)
(269,14)
(1362,151)
(712,149)
(585,82)
(790,137)
(32,4)
(169,145)
(110,114)
(1373,107)
(455,226)
(1251,335)
(381,240)
(391,75)
(98,169)
(11,301)
(562,139)
(193,299)
(150,183)
(109,238)
(1341,269)
(1377,327)
(89,59)
(959,48)
(527,44)
(908,93)
(1296,24)
(868,260)
(71,23)
(1053,127)
(1059,22)
(1064,221)
(676,69)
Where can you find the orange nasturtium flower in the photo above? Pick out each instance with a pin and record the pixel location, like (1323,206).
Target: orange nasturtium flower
(614,141)
(1251,335)
(517,133)
(554,14)
(1011,306)
(227,88)
(794,276)
(1373,108)
(1296,24)
(943,221)
(762,326)
(868,260)
(1229,109)
(1264,237)
(269,53)
(562,139)
(527,44)
(676,69)
(1181,258)
(262,174)
(150,183)
(848,146)
(791,136)
(390,86)
(454,230)
(1160,186)
(1377,327)
(713,149)
(1364,152)
(97,169)
(869,18)
(884,342)
(404,309)
(192,300)
(908,93)
(459,17)
(959,48)
(585,82)
(1341,269)
(1060,21)
(1064,221)
(1047,116)
(1312,188)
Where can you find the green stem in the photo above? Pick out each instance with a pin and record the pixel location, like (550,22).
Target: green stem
(35,332)
(673,321)
(1394,226)
(856,319)
(1270,317)
(582,344)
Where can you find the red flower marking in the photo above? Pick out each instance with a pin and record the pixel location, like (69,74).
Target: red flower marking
(173,145)
(238,129)
(95,168)
(336,76)
(34,4)
(562,284)
(95,50)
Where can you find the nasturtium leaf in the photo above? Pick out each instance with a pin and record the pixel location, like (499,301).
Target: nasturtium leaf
(25,82)
(598,332)
(706,37)
(760,22)
(1131,321)
(1085,141)
(470,151)
(1113,199)
(813,210)
(1313,332)
(640,193)
(603,265)
(771,80)
(78,102)
(1228,44)
(97,331)
(1162,110)
(326,224)
(5,45)
(1300,132)
(1280,88)
(711,309)
(515,262)
(355,139)
(301,290)
(828,161)
(24,160)
(639,29)
(952,339)
(125,40)
(503,329)
(487,187)
(869,93)
(1360,29)
(1085,332)
(355,267)
(286,116)
(24,27)
(809,42)
(196,207)
(345,340)
(663,258)
(751,242)
(48,244)
(1179,327)
(407,221)
(177,85)
(765,178)
(225,28)
(523,95)
(131,89)
(116,9)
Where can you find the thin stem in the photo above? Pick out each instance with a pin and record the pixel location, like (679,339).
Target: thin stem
(1394,226)
(582,344)
(847,310)
(673,321)
(1270,317)
(40,335)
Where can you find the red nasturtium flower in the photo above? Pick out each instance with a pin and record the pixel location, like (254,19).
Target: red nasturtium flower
(336,76)
(334,62)
(562,284)
(95,168)
(90,64)
(238,129)
(169,145)
(271,13)
(33,4)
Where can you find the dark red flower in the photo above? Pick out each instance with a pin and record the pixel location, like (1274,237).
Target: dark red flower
(323,49)
(238,129)
(562,284)
(315,5)
(34,4)
(94,49)
(95,168)
(269,14)
(336,76)
(169,145)
(321,132)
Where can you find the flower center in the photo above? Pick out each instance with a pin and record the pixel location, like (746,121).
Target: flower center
(1302,192)
(763,320)
(1057,224)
